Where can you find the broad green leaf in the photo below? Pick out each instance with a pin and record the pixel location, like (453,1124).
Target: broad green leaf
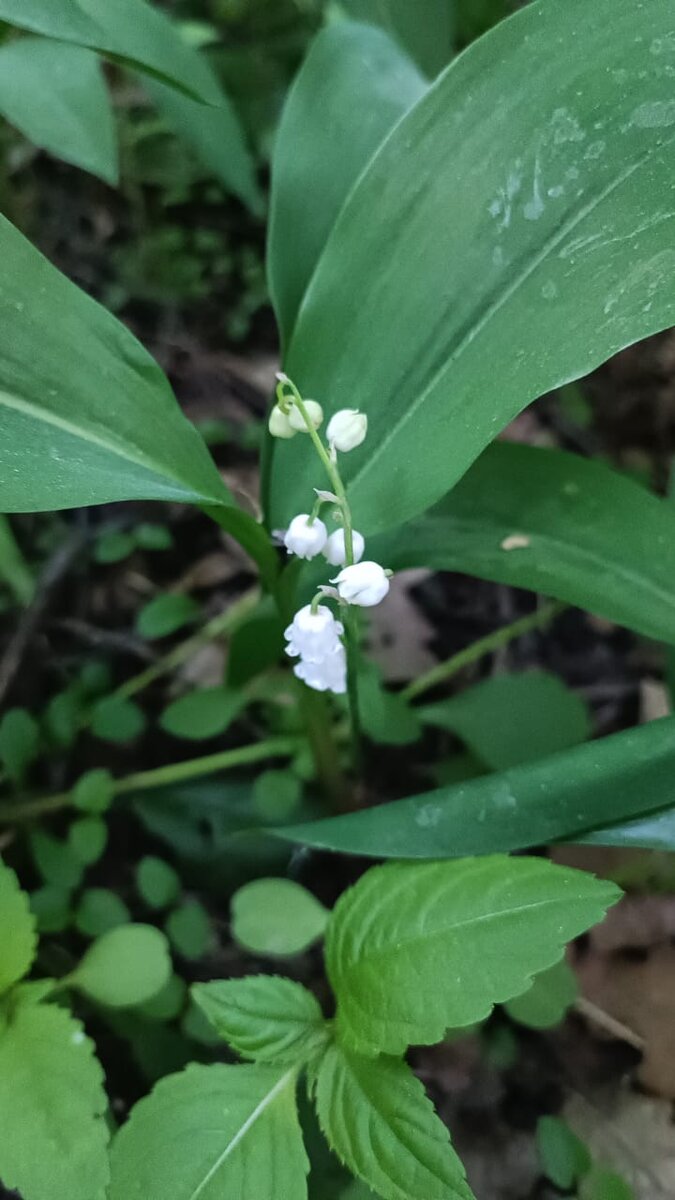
(264,1017)
(563,1157)
(256,645)
(157,882)
(568,794)
(545,1003)
(17,930)
(213,1132)
(166,614)
(55,94)
(414,949)
(19,742)
(128,30)
(655,832)
(52,1107)
(126,966)
(511,719)
(513,232)
(556,523)
(377,1118)
(202,714)
(189,930)
(276,917)
(216,136)
(385,716)
(99,911)
(425,29)
(353,86)
(86,415)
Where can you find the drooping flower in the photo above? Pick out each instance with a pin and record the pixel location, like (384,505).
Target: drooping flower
(365,584)
(347,429)
(335,549)
(313,636)
(279,424)
(314,412)
(329,675)
(305,537)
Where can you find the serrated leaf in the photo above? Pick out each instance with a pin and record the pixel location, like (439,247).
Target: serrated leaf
(529,190)
(212,1132)
(17,930)
(545,1003)
(56,96)
(276,917)
(124,967)
(264,1017)
(377,1118)
(556,523)
(353,86)
(616,777)
(511,719)
(130,30)
(52,1106)
(414,949)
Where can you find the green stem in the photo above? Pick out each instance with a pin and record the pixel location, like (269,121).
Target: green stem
(486,645)
(143,781)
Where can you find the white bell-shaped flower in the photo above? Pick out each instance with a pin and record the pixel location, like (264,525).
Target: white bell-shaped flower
(279,424)
(335,549)
(313,635)
(365,584)
(347,429)
(305,537)
(329,675)
(314,412)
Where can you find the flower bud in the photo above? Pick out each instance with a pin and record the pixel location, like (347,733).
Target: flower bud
(279,424)
(347,429)
(304,538)
(329,675)
(364,584)
(335,549)
(314,412)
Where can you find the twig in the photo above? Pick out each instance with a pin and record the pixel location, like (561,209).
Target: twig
(616,1029)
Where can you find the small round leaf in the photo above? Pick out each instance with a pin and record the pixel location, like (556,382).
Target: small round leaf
(125,967)
(277,917)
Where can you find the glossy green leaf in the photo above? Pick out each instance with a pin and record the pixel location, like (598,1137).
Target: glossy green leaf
(124,967)
(563,1157)
(55,94)
(424,29)
(216,136)
(52,1107)
(86,415)
(414,949)
(377,1118)
(545,1003)
(276,917)
(129,30)
(17,930)
(213,1132)
(556,523)
(559,797)
(511,719)
(264,1017)
(353,86)
(513,232)
(202,714)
